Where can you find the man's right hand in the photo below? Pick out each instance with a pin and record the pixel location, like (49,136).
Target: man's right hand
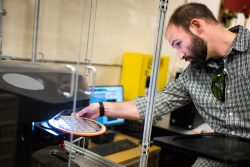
(91,111)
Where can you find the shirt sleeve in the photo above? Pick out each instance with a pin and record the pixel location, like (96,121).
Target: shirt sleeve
(172,97)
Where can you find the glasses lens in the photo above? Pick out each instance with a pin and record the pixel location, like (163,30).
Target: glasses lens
(218,84)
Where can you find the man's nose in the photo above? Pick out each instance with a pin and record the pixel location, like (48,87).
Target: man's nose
(181,54)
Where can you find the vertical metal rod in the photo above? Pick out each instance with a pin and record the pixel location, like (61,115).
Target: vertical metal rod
(79,49)
(91,35)
(152,86)
(35,31)
(1,26)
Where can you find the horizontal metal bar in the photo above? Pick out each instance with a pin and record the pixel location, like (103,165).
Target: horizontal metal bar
(67,62)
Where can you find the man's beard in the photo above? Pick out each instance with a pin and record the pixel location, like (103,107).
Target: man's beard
(198,52)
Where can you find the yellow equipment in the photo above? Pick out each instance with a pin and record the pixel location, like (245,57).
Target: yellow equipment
(136,69)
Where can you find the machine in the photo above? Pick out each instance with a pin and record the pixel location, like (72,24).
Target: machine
(32,92)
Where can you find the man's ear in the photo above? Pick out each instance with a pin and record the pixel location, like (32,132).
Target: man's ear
(196,26)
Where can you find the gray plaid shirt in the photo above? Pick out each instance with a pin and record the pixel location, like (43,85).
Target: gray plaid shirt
(231,116)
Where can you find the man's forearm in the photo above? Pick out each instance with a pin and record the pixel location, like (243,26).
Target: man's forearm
(127,110)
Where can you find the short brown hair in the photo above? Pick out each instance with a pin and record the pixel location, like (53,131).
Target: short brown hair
(183,15)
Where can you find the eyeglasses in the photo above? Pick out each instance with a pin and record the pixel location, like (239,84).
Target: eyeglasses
(219,84)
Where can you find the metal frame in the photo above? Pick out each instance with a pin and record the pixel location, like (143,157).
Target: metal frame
(82,153)
(35,31)
(152,86)
(2,13)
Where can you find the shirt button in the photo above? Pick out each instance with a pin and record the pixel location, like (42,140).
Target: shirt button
(230,114)
(233,132)
(225,70)
(228,91)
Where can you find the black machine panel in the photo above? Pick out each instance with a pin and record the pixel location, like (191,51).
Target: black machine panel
(186,117)
(221,147)
(40,89)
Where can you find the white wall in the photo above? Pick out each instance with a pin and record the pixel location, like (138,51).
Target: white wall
(121,25)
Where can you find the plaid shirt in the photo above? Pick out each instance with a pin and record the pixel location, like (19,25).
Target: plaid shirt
(231,116)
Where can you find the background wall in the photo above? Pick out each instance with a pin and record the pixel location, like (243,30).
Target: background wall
(124,25)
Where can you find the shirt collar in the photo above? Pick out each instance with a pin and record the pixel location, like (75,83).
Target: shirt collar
(241,42)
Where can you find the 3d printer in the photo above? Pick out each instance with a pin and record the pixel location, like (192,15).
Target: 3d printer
(32,92)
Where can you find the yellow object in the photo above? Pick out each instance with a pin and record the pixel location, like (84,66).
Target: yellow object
(136,68)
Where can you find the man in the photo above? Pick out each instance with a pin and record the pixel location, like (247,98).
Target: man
(217,79)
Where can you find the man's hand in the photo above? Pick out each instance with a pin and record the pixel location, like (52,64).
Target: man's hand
(91,111)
